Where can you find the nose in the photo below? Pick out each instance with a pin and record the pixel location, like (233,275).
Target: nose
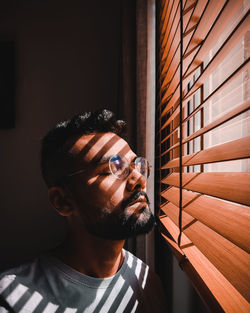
(136,181)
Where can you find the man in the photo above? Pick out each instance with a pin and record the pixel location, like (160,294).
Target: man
(98,183)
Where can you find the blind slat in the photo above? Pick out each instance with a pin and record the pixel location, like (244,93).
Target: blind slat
(172,195)
(215,290)
(170,19)
(228,219)
(173,179)
(233,150)
(172,30)
(232,39)
(226,117)
(233,113)
(222,253)
(228,186)
(216,30)
(167,232)
(224,84)
(171,50)
(227,46)
(169,135)
(171,118)
(164,12)
(172,35)
(208,17)
(223,217)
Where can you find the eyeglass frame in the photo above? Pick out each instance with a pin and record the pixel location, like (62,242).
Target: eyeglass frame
(130,164)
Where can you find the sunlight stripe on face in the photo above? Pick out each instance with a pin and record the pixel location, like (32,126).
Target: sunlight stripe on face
(138,268)
(145,277)
(70,310)
(113,294)
(16,294)
(135,306)
(125,300)
(50,308)
(32,303)
(6,281)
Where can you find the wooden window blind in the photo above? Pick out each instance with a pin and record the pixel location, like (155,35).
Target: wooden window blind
(203,145)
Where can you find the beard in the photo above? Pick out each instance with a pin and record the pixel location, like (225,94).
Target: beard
(126,224)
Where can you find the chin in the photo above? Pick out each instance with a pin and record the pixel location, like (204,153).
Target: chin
(136,224)
(125,226)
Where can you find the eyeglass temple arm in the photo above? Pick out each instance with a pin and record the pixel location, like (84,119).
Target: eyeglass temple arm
(77,172)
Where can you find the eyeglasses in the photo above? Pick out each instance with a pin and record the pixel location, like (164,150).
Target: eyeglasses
(120,167)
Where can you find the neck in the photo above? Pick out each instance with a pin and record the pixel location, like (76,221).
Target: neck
(93,256)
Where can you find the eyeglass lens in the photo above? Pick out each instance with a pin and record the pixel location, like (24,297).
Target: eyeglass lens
(120,167)
(142,166)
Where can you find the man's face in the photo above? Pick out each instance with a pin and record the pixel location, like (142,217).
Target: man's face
(108,207)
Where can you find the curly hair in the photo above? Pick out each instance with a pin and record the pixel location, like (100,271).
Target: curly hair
(54,145)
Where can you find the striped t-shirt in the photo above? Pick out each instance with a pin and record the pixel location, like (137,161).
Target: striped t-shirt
(47,285)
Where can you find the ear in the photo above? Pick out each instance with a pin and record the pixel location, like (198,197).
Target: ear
(61,200)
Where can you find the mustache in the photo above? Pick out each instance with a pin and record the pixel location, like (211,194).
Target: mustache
(133,197)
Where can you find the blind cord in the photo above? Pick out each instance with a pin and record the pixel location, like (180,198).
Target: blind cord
(180,147)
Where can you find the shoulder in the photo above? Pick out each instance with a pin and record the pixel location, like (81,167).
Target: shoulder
(18,270)
(148,282)
(14,283)
(21,275)
(139,268)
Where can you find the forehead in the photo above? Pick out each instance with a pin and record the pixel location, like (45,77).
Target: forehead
(99,146)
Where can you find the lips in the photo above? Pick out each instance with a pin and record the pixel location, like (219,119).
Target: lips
(138,196)
(140,199)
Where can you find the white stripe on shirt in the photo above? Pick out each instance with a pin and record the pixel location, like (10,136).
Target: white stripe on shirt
(130,260)
(16,294)
(99,294)
(70,310)
(113,294)
(135,306)
(32,303)
(6,281)
(125,300)
(145,277)
(50,308)
(138,268)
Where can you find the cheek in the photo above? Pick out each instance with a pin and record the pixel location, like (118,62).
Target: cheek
(97,190)
(108,192)
(118,195)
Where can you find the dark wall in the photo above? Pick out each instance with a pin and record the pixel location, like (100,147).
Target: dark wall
(67,60)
